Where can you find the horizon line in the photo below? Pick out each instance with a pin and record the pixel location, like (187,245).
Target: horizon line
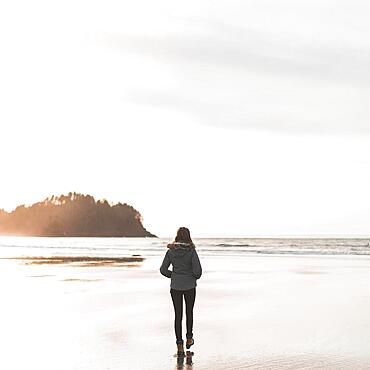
(293,236)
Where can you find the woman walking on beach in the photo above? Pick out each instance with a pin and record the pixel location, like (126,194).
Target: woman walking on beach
(186,269)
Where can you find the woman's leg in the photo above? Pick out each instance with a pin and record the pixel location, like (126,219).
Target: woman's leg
(177,304)
(189,300)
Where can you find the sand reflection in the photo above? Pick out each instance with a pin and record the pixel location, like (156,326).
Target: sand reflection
(81,261)
(185,362)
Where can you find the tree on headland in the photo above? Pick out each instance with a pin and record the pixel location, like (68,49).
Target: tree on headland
(74,214)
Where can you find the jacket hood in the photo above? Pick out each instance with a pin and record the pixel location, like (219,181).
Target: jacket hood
(180,249)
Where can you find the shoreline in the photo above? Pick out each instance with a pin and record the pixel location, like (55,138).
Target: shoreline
(256,312)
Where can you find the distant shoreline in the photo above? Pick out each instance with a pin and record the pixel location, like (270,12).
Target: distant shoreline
(197,238)
(75,236)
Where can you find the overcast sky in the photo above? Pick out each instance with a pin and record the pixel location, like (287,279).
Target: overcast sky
(234,118)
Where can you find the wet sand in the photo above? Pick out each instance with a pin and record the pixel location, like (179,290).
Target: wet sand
(80,261)
(254,312)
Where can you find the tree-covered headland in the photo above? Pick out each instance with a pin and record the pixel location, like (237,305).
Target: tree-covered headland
(73,215)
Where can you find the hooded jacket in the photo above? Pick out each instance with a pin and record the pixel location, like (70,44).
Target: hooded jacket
(186,267)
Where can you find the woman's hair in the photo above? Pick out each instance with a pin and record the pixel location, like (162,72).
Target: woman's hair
(183,236)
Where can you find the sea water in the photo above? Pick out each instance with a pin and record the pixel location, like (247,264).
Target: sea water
(149,247)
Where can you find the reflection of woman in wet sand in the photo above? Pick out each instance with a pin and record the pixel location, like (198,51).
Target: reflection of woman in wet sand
(186,269)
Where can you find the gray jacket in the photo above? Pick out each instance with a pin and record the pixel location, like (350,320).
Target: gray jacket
(186,267)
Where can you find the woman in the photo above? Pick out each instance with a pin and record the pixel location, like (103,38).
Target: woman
(186,269)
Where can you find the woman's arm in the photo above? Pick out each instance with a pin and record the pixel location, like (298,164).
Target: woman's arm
(165,264)
(197,267)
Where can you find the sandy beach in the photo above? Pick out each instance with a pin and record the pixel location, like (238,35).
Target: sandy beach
(255,312)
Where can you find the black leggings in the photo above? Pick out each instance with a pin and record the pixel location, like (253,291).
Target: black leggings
(177,300)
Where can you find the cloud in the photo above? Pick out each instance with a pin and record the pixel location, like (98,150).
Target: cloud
(235,76)
(251,50)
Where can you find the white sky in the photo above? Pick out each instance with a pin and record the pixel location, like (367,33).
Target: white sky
(234,118)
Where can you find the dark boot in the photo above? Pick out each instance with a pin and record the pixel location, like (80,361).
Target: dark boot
(189,342)
(180,350)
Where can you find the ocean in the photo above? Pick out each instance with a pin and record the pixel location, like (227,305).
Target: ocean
(149,247)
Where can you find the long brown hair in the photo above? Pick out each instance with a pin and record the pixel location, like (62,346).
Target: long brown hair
(182,236)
